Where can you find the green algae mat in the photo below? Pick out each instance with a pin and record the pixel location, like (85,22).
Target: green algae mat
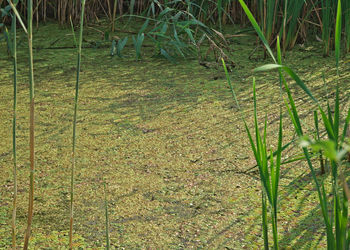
(168,141)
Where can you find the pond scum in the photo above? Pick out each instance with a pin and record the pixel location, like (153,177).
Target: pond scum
(163,158)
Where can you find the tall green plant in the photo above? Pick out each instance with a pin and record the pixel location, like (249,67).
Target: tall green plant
(75,124)
(293,15)
(12,45)
(269,169)
(32,124)
(337,233)
(14,55)
(346,8)
(28,31)
(269,173)
(317,137)
(326,25)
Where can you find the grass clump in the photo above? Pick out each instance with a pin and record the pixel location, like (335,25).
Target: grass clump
(336,219)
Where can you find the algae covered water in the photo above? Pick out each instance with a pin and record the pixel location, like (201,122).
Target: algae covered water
(165,137)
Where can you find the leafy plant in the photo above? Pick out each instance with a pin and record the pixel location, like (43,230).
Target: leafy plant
(118,47)
(138,44)
(269,171)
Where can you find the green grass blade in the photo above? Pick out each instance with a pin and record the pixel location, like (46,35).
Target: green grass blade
(321,194)
(229,83)
(337,217)
(346,127)
(336,120)
(219,8)
(17,15)
(291,73)
(279,60)
(299,82)
(267,67)
(317,137)
(257,28)
(73,33)
(344,219)
(328,125)
(278,157)
(338,35)
(120,46)
(264,221)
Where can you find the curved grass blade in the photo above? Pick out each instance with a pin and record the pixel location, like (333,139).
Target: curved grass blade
(257,28)
(291,73)
(18,15)
(120,46)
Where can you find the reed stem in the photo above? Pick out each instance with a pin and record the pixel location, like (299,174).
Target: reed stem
(14,57)
(74,125)
(107,218)
(32,123)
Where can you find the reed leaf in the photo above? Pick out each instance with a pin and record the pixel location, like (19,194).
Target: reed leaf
(257,28)
(338,35)
(18,15)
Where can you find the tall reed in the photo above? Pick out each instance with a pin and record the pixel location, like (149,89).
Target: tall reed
(326,25)
(114,14)
(14,54)
(12,45)
(292,19)
(75,124)
(28,31)
(346,8)
(31,126)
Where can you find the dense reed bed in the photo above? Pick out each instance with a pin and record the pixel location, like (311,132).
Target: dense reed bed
(293,21)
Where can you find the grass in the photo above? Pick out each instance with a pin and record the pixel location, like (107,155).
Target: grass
(337,233)
(29,31)
(190,191)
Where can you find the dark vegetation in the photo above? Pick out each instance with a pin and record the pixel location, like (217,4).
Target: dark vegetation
(152,160)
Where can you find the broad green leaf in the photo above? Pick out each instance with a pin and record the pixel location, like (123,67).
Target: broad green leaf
(268,67)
